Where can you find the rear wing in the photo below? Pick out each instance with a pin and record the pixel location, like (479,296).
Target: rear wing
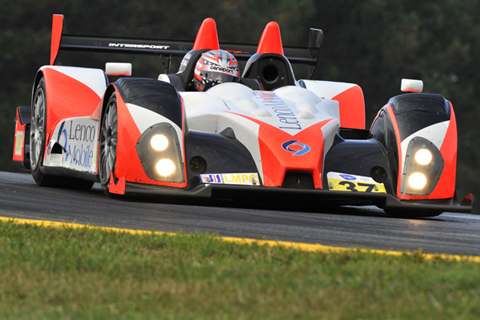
(169,48)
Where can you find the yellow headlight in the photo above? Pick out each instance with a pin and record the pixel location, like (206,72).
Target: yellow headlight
(417,180)
(165,167)
(159,142)
(423,157)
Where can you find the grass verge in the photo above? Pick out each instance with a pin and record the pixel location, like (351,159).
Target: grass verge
(80,273)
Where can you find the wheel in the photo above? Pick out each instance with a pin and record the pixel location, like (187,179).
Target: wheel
(37,131)
(108,143)
(37,146)
(37,137)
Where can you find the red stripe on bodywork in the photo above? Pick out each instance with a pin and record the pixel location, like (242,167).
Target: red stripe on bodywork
(399,147)
(67,97)
(57,28)
(276,161)
(127,162)
(118,187)
(446,184)
(352,108)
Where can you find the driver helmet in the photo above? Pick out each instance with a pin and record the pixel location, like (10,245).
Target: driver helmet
(214,67)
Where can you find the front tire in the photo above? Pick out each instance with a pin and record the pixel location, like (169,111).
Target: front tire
(37,146)
(108,143)
(37,137)
(37,132)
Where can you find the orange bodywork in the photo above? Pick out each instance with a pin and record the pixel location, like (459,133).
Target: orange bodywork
(352,108)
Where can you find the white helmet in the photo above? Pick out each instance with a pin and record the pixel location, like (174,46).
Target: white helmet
(214,67)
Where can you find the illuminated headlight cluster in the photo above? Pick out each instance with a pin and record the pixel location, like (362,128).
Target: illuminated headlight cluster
(159,151)
(423,167)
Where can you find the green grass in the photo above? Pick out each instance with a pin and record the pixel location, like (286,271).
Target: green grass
(69,273)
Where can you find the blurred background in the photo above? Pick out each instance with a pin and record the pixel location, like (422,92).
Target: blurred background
(374,43)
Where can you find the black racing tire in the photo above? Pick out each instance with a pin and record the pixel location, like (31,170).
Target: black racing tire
(37,146)
(108,143)
(37,133)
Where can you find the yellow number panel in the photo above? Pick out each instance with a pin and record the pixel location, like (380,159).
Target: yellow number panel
(347,182)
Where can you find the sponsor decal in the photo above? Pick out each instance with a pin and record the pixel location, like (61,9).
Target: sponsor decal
(212,178)
(284,114)
(231,178)
(220,69)
(241,178)
(138,46)
(353,183)
(304,148)
(78,139)
(348,177)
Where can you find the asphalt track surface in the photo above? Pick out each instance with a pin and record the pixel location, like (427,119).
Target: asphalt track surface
(350,227)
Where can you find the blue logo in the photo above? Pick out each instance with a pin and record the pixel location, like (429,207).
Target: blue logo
(305,147)
(348,177)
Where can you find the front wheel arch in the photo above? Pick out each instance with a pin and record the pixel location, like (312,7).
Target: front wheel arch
(414,120)
(38,173)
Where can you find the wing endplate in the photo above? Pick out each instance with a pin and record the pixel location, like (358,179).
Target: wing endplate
(57,29)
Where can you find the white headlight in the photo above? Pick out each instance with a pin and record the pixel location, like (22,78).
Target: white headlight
(423,157)
(417,180)
(159,142)
(165,167)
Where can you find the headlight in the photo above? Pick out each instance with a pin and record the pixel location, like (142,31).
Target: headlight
(159,142)
(422,168)
(165,167)
(417,180)
(160,153)
(423,156)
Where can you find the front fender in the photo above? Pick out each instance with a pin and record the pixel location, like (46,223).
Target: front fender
(141,107)
(411,122)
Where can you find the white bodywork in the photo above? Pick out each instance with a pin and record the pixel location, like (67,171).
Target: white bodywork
(93,78)
(290,109)
(327,89)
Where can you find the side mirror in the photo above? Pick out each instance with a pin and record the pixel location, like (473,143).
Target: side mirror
(118,69)
(412,85)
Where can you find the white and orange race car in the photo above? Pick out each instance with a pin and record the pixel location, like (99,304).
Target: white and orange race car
(265,136)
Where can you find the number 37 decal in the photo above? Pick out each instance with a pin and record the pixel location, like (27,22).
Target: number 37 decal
(351,183)
(359,187)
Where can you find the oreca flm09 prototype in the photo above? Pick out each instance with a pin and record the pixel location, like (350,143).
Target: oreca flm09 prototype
(262,134)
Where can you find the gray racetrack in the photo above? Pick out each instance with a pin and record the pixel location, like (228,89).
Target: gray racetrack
(366,227)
